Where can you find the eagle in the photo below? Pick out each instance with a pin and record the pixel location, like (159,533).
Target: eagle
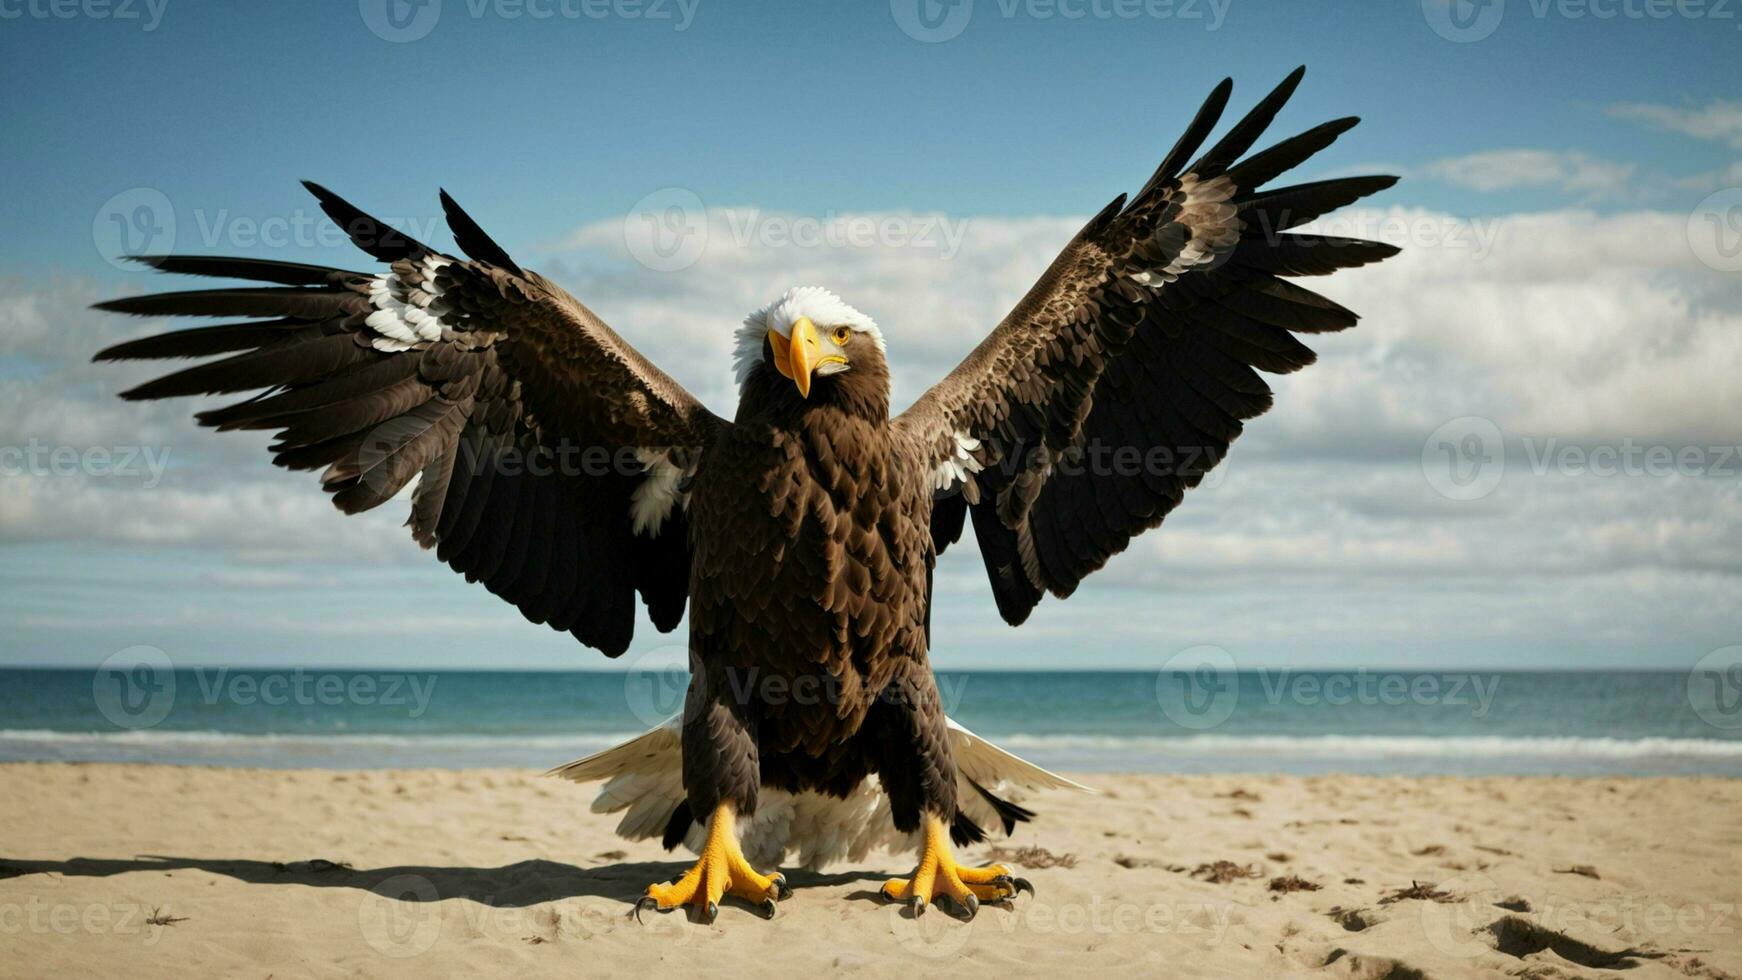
(545,458)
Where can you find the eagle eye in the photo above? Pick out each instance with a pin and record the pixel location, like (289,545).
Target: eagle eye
(841,336)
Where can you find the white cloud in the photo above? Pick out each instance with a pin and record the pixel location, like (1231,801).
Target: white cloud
(1570,172)
(1719,121)
(1570,324)
(1712,180)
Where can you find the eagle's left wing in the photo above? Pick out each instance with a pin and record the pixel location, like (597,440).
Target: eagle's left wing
(1124,374)
(550,455)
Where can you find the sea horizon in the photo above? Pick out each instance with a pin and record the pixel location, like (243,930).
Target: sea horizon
(1285,721)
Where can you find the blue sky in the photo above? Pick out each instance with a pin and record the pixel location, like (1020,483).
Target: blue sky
(1583,143)
(547,124)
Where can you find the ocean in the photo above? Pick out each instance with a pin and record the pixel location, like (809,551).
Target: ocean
(1302,722)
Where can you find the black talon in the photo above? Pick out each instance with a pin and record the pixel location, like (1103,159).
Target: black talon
(646,902)
(782,890)
(971,906)
(918,906)
(712,912)
(768,908)
(1023,885)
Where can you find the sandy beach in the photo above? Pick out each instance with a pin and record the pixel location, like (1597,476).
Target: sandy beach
(164,871)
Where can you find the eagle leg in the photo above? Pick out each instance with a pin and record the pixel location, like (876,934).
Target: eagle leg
(939,876)
(720,871)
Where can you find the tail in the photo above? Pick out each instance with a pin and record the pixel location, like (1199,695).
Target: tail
(644,780)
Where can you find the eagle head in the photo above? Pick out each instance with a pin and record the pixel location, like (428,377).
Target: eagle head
(810,334)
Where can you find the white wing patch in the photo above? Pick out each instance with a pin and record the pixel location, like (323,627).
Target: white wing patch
(644,781)
(652,501)
(954,470)
(403,316)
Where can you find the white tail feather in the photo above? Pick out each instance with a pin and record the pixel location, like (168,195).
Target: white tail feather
(644,781)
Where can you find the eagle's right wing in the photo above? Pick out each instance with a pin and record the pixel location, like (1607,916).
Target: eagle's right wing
(1121,378)
(552,455)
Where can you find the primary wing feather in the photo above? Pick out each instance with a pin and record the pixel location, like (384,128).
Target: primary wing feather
(1124,374)
(528,424)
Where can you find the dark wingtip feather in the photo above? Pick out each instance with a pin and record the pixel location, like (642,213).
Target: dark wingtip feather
(121,304)
(677,826)
(1244,133)
(232,267)
(1264,166)
(198,341)
(472,238)
(375,237)
(1009,814)
(964,831)
(1196,132)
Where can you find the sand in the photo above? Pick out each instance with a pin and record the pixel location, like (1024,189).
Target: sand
(163,871)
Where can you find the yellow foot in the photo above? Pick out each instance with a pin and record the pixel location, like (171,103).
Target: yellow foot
(939,876)
(720,871)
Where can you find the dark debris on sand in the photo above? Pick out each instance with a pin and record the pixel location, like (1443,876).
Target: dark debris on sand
(1418,891)
(1030,857)
(1222,872)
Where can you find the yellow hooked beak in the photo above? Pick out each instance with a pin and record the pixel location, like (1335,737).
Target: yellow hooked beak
(797,357)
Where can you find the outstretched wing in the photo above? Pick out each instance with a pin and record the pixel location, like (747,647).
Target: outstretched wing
(1123,375)
(550,455)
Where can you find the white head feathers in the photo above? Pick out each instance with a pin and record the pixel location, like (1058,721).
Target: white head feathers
(824,308)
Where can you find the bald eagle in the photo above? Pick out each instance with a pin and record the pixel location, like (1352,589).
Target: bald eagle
(558,467)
